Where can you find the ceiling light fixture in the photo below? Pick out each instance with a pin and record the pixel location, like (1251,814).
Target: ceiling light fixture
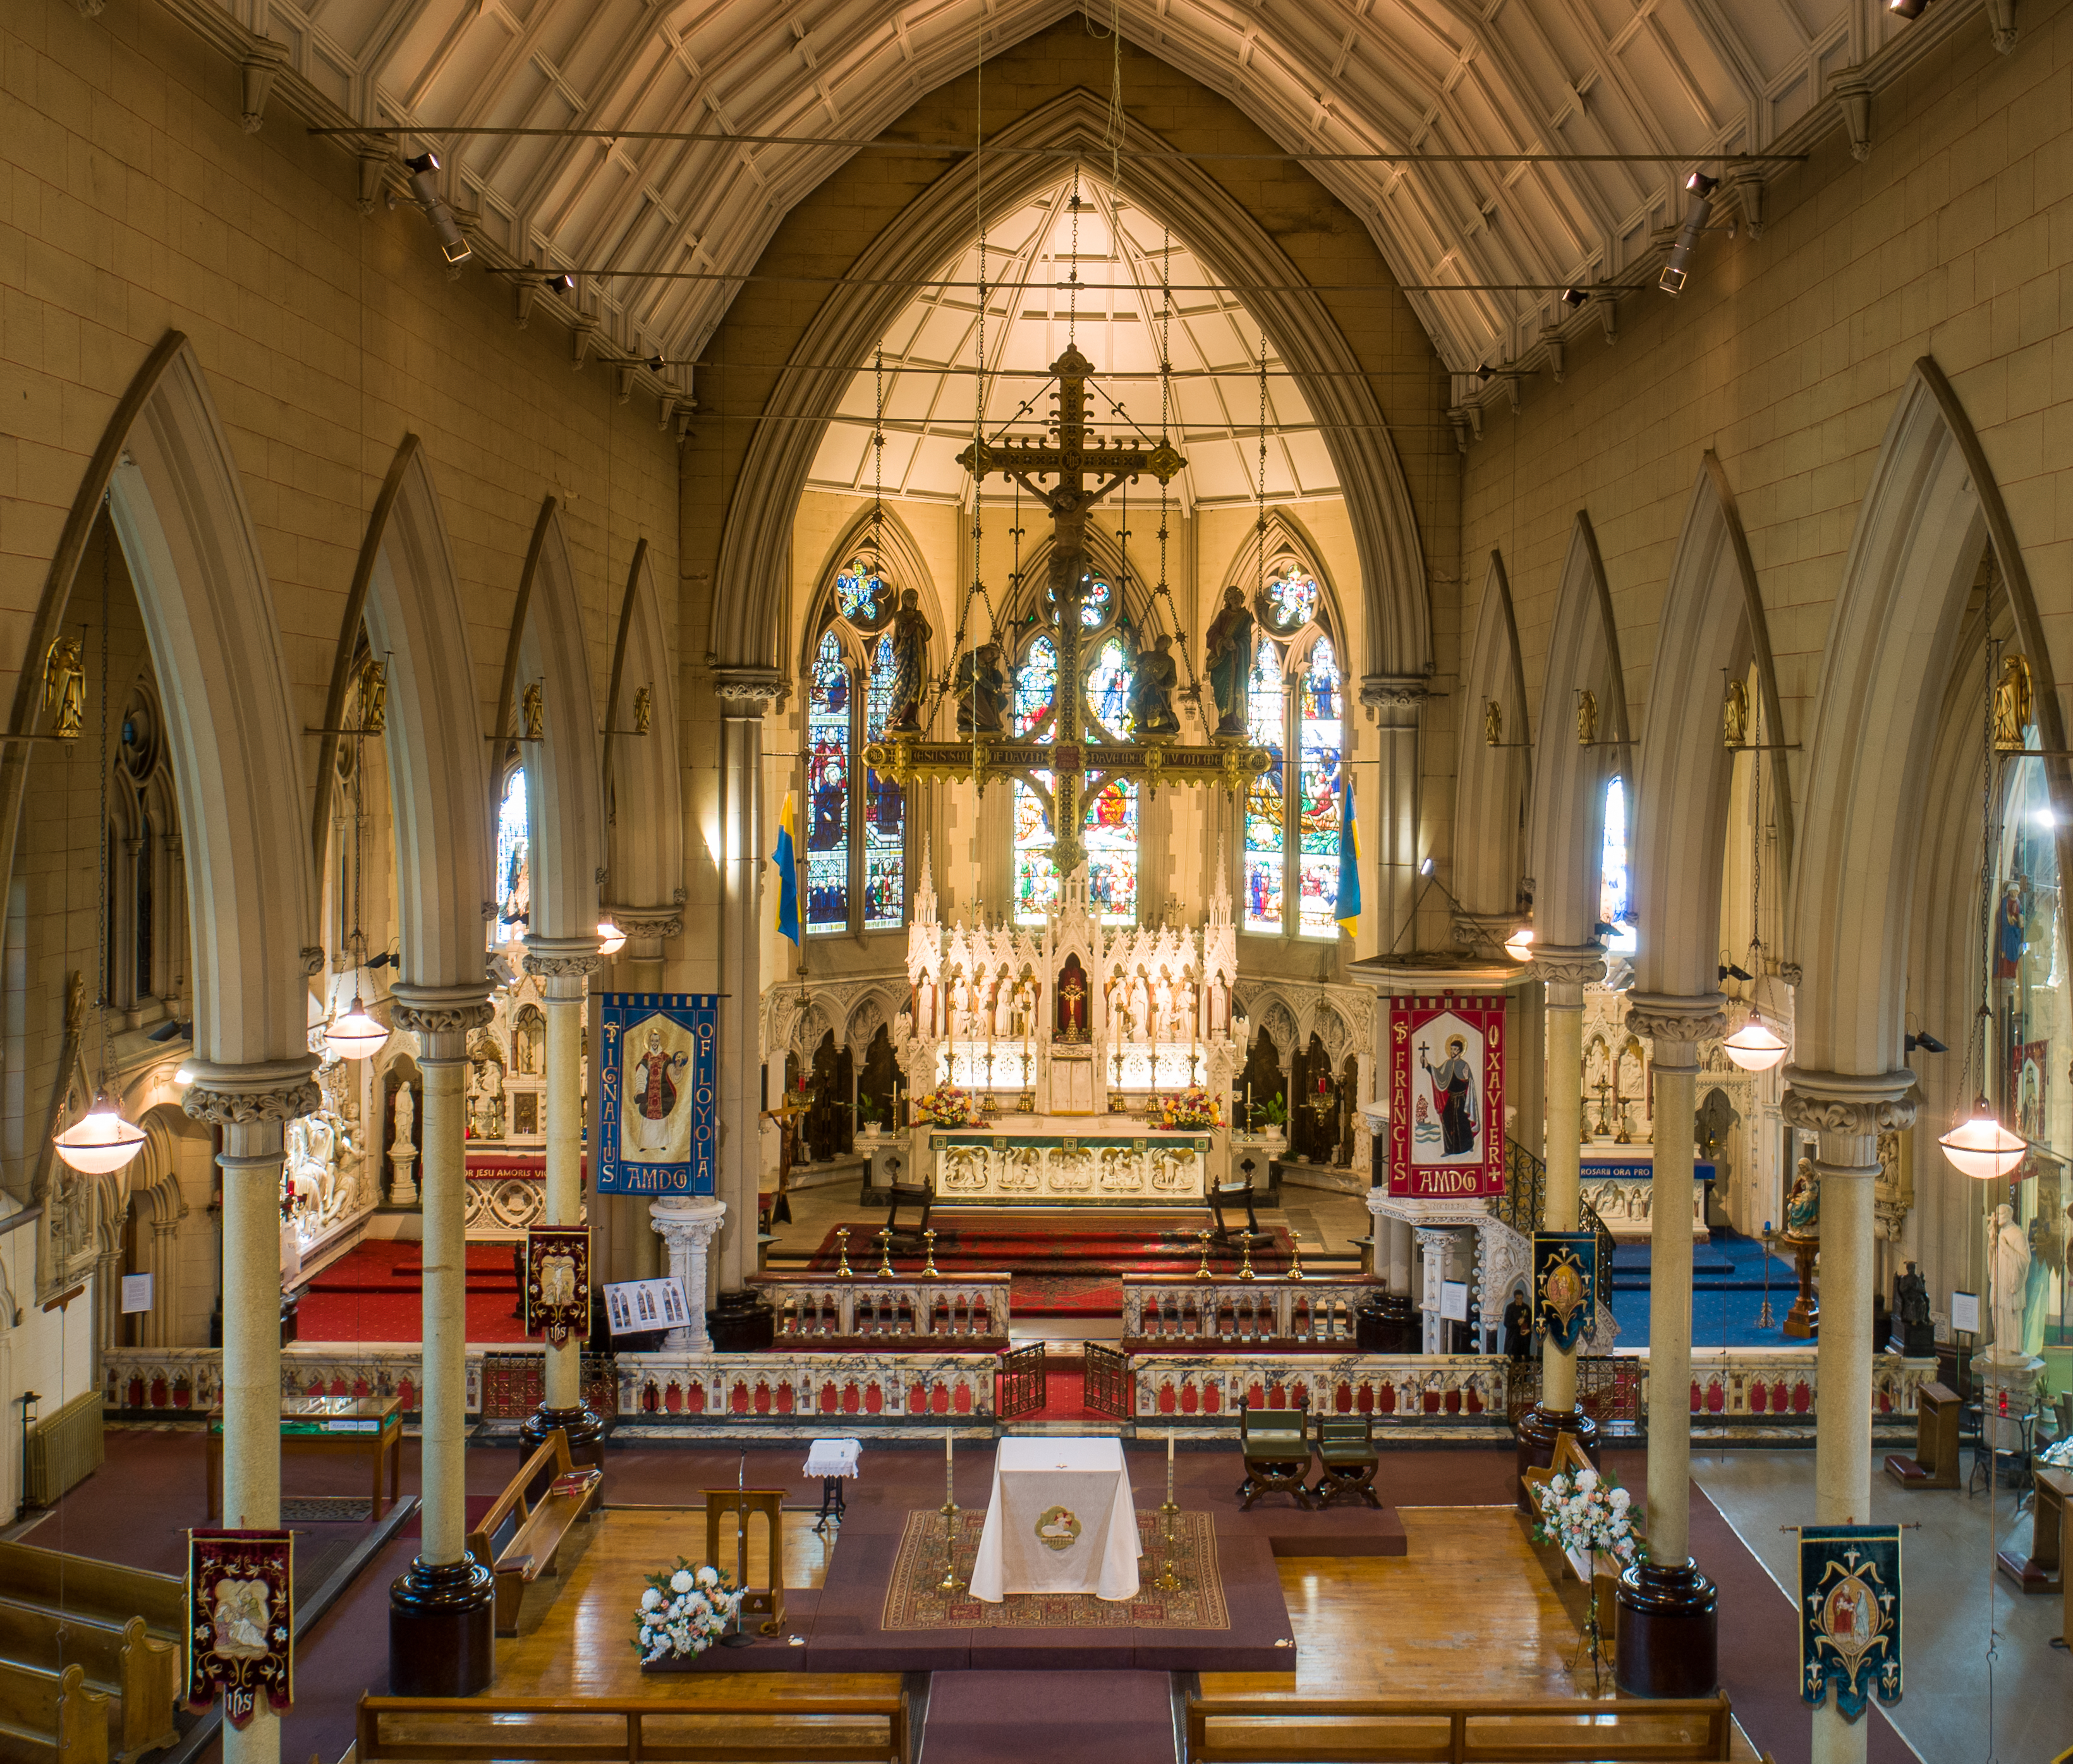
(1676,271)
(1907,9)
(426,190)
(1519,945)
(611,940)
(1424,866)
(1981,1148)
(1754,1047)
(1923,1039)
(1574,297)
(356,1035)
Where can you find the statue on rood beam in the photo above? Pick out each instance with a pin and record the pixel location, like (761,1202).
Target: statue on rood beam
(1153,681)
(982,691)
(910,661)
(1227,648)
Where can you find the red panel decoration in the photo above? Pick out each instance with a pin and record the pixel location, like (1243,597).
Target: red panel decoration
(1446,1097)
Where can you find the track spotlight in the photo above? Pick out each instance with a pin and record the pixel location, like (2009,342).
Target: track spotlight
(1574,297)
(1926,1041)
(451,244)
(654,364)
(1907,9)
(1730,970)
(560,284)
(1424,866)
(1678,268)
(1485,371)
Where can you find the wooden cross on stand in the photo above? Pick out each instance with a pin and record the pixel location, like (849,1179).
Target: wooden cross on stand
(1078,760)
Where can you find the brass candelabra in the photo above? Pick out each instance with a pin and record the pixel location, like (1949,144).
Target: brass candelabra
(1169,1578)
(928,1271)
(1203,1273)
(950,1583)
(1296,1259)
(885,1253)
(843,1271)
(1245,1261)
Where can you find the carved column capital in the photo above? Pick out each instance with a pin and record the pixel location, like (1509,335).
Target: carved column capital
(238,1095)
(1860,1105)
(1554,965)
(747,691)
(440,1016)
(1664,1017)
(647,921)
(562,966)
(1399,699)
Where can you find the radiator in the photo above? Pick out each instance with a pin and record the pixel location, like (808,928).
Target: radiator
(64,1448)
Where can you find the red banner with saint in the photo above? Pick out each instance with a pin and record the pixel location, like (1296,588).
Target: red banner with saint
(1446,1098)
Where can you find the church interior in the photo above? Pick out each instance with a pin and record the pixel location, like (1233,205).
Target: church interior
(951,879)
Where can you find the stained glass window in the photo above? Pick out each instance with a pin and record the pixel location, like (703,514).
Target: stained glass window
(1616,888)
(861,596)
(1264,819)
(828,743)
(1109,825)
(1036,698)
(1108,688)
(1035,688)
(1111,836)
(1317,734)
(514,878)
(1292,600)
(884,810)
(1097,596)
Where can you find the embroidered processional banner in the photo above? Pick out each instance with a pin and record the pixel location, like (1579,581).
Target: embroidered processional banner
(1849,1611)
(240,1621)
(1565,1285)
(657,1115)
(558,1280)
(1446,1097)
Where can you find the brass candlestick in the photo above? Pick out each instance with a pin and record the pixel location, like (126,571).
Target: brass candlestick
(1245,1262)
(950,1583)
(928,1264)
(1168,1580)
(1203,1273)
(885,1253)
(843,1271)
(1296,1264)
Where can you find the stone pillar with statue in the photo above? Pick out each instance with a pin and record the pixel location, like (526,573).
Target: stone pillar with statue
(1564,974)
(1669,1621)
(2012,1375)
(564,967)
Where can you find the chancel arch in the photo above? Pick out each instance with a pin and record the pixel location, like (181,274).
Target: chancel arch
(1493,778)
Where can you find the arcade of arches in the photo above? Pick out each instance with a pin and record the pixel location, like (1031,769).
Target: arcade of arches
(1219,685)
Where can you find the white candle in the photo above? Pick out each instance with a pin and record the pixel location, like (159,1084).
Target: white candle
(947,1451)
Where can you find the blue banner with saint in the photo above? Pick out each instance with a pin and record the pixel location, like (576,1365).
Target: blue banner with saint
(1565,1285)
(1849,1612)
(658,1113)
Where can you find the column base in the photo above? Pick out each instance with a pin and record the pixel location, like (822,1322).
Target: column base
(585,1431)
(1538,1430)
(1668,1633)
(442,1630)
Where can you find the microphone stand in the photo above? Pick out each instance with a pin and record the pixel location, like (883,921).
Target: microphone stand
(738,1637)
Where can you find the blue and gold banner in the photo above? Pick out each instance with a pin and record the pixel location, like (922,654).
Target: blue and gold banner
(1565,1285)
(657,1095)
(1849,1612)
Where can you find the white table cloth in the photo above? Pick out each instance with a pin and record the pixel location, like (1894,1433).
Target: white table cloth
(1060,1519)
(833,1457)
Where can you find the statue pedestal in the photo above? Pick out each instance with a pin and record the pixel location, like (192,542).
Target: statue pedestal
(2020,1379)
(1804,1318)
(402,1186)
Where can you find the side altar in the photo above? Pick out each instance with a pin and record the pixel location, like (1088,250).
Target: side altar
(1066,1035)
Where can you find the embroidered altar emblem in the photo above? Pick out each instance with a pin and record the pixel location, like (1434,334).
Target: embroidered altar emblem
(1056,1529)
(1849,1588)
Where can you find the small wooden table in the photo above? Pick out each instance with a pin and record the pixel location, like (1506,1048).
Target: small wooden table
(328,1427)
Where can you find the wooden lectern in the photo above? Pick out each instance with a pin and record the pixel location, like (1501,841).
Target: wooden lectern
(2041,1570)
(1935,1465)
(767,1602)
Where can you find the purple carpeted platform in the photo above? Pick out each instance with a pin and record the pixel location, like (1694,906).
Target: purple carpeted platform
(993,1718)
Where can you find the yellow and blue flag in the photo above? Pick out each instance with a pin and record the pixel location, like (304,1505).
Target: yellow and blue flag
(788,873)
(1348,912)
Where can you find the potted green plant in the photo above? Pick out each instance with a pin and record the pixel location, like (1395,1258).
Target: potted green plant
(1274,1113)
(870,1114)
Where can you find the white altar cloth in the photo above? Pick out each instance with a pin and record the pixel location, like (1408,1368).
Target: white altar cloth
(1060,1519)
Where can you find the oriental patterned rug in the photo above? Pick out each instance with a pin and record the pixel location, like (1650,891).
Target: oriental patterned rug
(912,1602)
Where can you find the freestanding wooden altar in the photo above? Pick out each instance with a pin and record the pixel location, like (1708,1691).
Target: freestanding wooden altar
(1066,1033)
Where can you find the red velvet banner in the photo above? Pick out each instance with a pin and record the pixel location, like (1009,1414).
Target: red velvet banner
(1446,1097)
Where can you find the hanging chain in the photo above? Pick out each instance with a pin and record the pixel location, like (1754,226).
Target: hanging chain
(878,464)
(1986,883)
(1165,591)
(1756,846)
(107,546)
(1073,275)
(1259,504)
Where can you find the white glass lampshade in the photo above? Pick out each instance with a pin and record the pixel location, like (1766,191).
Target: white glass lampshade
(100,1142)
(356,1036)
(611,940)
(1519,945)
(1754,1047)
(1981,1148)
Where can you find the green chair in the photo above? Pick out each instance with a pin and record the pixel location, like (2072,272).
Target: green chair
(1347,1457)
(1276,1444)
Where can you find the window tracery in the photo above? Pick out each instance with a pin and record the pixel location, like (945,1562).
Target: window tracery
(855,819)
(1294,709)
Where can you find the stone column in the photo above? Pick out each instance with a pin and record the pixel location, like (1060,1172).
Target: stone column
(1432,1241)
(1397,702)
(687,1229)
(745,695)
(1669,1643)
(563,966)
(440,1639)
(1564,974)
(252,1105)
(1846,1111)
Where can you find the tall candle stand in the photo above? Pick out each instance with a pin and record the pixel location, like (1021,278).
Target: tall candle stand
(1168,1580)
(843,1271)
(1765,1318)
(950,1583)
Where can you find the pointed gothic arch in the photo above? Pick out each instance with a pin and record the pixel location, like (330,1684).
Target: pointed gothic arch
(645,831)
(1493,785)
(1569,779)
(1231,243)
(902,564)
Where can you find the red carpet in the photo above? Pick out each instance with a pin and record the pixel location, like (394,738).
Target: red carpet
(374,1292)
(1065,1295)
(1039,1248)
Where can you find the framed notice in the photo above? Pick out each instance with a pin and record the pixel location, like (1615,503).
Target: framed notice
(1446,1097)
(657,1117)
(637,1307)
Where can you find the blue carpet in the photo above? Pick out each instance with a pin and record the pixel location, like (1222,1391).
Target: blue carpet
(1727,1293)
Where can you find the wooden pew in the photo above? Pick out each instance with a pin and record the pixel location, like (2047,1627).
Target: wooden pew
(52,1715)
(137,1671)
(1309,1730)
(519,1534)
(558,1730)
(105,1591)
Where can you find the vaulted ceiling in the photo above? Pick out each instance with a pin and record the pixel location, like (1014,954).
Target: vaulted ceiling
(1688,78)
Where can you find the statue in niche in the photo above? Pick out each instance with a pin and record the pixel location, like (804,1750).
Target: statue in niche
(1493,723)
(910,651)
(982,692)
(1803,1205)
(2011,1272)
(529,1044)
(1227,650)
(1153,681)
(1735,716)
(2011,935)
(65,688)
(374,696)
(1917,1330)
(643,709)
(404,1113)
(532,710)
(1587,717)
(2014,705)
(485,1110)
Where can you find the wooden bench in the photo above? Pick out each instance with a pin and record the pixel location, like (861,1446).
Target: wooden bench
(519,1534)
(559,1729)
(85,1586)
(139,1671)
(52,1715)
(1313,1730)
(1935,1465)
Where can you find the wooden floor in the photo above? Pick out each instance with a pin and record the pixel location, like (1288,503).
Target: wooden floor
(1473,1610)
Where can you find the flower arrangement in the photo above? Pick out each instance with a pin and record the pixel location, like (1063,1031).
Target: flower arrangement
(946,1106)
(1192,1108)
(683,1611)
(1587,1514)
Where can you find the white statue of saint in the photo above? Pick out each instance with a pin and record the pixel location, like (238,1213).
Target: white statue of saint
(405,1111)
(2011,1272)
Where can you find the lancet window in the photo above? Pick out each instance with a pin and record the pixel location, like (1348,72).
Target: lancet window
(855,820)
(1294,809)
(514,861)
(1615,925)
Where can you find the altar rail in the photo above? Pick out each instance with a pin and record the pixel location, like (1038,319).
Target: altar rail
(952,1311)
(747,1387)
(1740,1383)
(170,1381)
(1464,1386)
(1275,1313)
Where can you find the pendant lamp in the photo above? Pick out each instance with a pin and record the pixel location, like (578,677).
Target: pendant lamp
(354,1036)
(1981,1148)
(1519,945)
(611,940)
(357,1035)
(1754,1047)
(100,1142)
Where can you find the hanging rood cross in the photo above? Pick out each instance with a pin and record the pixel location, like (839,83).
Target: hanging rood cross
(1084,470)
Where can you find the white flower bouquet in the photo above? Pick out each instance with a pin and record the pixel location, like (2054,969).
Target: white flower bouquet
(683,1611)
(1588,1515)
